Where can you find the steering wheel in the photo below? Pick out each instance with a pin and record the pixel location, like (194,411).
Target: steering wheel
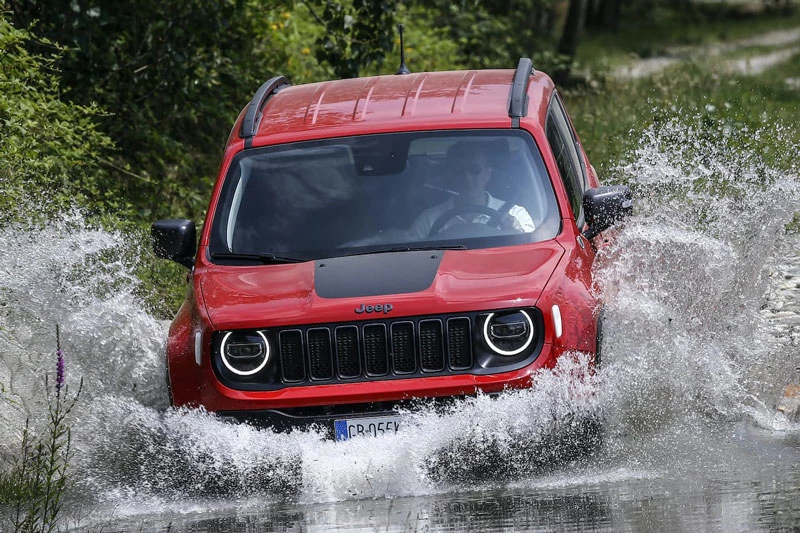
(495,216)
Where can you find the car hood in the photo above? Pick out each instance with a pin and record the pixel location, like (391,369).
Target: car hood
(414,283)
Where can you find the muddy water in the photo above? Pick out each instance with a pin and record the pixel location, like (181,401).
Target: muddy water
(701,336)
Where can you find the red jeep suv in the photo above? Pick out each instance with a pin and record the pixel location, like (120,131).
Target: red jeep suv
(375,241)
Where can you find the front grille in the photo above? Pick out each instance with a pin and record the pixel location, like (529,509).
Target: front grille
(403,351)
(374,350)
(319,353)
(380,349)
(290,343)
(348,356)
(431,349)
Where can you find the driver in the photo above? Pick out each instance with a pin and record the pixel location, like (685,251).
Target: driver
(472,168)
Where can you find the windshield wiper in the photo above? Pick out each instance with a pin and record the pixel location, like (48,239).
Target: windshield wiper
(411,249)
(266,259)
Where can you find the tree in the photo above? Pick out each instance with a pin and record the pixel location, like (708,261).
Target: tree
(496,33)
(570,36)
(604,14)
(357,33)
(172,77)
(51,149)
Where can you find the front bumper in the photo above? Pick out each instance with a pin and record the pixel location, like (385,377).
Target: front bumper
(215,397)
(322,418)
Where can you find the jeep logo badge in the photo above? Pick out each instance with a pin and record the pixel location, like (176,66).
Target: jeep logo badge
(380,308)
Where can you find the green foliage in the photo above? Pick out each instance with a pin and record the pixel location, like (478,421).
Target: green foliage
(495,34)
(293,31)
(51,149)
(428,46)
(163,286)
(357,33)
(171,75)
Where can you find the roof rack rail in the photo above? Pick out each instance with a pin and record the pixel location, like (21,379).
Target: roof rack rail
(518,99)
(252,116)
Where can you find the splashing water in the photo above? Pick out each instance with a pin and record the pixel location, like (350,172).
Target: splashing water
(692,333)
(72,275)
(686,280)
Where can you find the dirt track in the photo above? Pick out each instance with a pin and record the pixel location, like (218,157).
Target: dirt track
(752,65)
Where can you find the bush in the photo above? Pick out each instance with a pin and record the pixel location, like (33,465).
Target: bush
(52,150)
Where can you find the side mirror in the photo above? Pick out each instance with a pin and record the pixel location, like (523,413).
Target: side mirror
(175,239)
(604,206)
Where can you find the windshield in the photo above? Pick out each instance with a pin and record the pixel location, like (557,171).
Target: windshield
(373,193)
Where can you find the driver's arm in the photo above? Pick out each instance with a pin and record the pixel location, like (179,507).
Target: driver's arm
(421,227)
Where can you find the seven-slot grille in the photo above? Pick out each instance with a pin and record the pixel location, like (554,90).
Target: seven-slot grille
(381,349)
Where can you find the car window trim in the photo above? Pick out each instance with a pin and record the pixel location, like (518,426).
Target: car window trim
(579,217)
(576,142)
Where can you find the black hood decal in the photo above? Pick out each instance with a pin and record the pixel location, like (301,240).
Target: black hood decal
(376,274)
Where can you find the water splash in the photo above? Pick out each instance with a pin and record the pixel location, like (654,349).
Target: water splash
(177,453)
(70,274)
(686,280)
(699,330)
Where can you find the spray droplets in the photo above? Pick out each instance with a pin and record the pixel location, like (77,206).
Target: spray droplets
(685,339)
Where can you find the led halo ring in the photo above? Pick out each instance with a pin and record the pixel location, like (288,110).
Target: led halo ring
(239,372)
(507,352)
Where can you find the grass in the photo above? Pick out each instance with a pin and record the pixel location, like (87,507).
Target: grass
(610,120)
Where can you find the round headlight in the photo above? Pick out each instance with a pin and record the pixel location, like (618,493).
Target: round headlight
(508,333)
(244,353)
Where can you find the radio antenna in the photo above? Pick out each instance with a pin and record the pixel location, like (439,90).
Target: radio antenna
(403,68)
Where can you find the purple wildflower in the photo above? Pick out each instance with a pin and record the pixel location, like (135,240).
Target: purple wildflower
(59,371)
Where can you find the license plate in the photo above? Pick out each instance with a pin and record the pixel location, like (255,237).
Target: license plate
(371,426)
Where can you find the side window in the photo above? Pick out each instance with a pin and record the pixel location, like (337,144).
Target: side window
(574,137)
(559,135)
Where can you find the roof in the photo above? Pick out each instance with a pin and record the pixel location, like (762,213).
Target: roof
(453,99)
